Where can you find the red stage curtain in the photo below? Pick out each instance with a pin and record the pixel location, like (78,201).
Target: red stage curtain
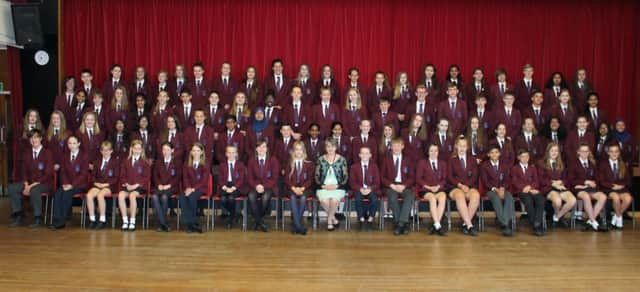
(371,35)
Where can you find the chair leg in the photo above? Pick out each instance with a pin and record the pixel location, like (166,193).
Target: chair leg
(53,200)
(113,212)
(83,219)
(179,215)
(244,215)
(381,216)
(481,216)
(213,214)
(449,214)
(278,208)
(314,213)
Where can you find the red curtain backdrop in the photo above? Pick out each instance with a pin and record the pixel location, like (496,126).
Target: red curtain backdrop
(371,35)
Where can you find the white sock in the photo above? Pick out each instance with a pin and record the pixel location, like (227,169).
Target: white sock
(125,220)
(133,220)
(92,218)
(555,218)
(619,221)
(103,218)
(437,225)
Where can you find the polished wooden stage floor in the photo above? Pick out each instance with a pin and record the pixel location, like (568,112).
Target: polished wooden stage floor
(232,260)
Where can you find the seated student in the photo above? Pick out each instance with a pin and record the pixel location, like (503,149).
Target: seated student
(171,133)
(167,172)
(74,169)
(298,180)
(314,145)
(37,178)
(135,175)
(582,176)
(415,138)
(105,180)
(431,178)
(476,139)
(507,155)
(200,132)
(262,177)
(331,175)
(195,180)
(552,175)
(353,112)
(240,109)
(442,137)
(364,139)
(507,114)
(364,180)
(385,116)
(90,136)
(398,179)
(230,137)
(580,134)
(530,140)
(56,137)
(525,183)
(463,176)
(496,180)
(260,129)
(614,176)
(325,113)
(231,178)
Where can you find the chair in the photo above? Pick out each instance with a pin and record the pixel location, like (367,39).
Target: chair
(210,204)
(383,199)
(48,196)
(420,199)
(484,198)
(114,209)
(314,211)
(148,204)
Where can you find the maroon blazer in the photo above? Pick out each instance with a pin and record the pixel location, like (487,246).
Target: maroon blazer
(200,94)
(628,149)
(190,136)
(428,111)
(120,148)
(159,118)
(536,147)
(357,143)
(361,89)
(523,93)
(495,95)
(492,178)
(93,89)
(539,120)
(594,122)
(470,93)
(345,148)
(372,102)
(90,147)
(606,178)
(356,179)
(457,119)
(146,89)
(415,147)
(184,121)
(310,92)
(197,178)
(572,142)
(513,123)
(579,96)
(379,122)
(467,176)
(39,169)
(317,116)
(485,120)
(217,121)
(545,177)
(75,173)
(179,146)
(578,174)
(303,179)
(283,152)
(252,139)
(507,152)
(109,175)
(140,173)
(113,115)
(445,149)
(304,117)
(406,97)
(170,174)
(237,139)
(407,171)
(281,94)
(351,121)
(226,92)
(335,91)
(62,105)
(155,89)
(102,115)
(550,98)
(568,119)
(519,179)
(238,175)
(254,93)
(149,144)
(175,88)
(108,88)
(75,115)
(427,176)
(57,146)
(313,153)
(266,175)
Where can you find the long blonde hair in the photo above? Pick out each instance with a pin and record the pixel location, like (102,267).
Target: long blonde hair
(96,126)
(422,131)
(347,104)
(62,132)
(246,111)
(143,156)
(396,89)
(203,158)
(124,104)
(547,157)
(622,167)
(25,123)
(292,159)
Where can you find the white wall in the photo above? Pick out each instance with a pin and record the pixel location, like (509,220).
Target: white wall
(7,36)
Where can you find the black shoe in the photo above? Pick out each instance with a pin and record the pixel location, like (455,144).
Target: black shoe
(563,223)
(340,217)
(442,231)
(603,228)
(472,231)
(54,227)
(303,231)
(17,221)
(163,228)
(507,232)
(195,228)
(263,227)
(398,230)
(101,225)
(524,216)
(465,230)
(406,229)
(36,223)
(475,220)
(539,232)
(337,225)
(433,230)
(92,225)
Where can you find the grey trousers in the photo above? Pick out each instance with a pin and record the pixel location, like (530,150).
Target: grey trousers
(504,208)
(35,195)
(400,213)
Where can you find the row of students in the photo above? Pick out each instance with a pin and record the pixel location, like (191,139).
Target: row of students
(396,176)
(401,92)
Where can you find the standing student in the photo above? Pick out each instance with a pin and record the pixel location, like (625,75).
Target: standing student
(231,137)
(296,113)
(119,137)
(364,180)
(508,115)
(481,111)
(379,90)
(580,134)
(625,141)
(98,106)
(430,81)
(200,132)
(497,91)
(552,174)
(331,175)
(454,110)
(604,137)
(594,113)
(580,88)
(252,87)
(167,173)
(145,134)
(463,176)
(232,174)
(79,106)
(298,181)
(104,182)
(582,176)
(283,146)
(415,138)
(172,134)
(161,111)
(402,93)
(262,178)
(195,180)
(525,183)
(477,86)
(530,140)
(140,83)
(327,80)
(74,170)
(226,85)
(272,112)
(496,181)
(314,145)
(325,112)
(240,109)
(555,132)
(525,88)
(342,141)
(278,83)
(185,109)
(178,83)
(536,111)
(384,116)
(56,137)
(565,111)
(160,85)
(614,176)
(199,86)
(476,139)
(364,139)
(139,110)
(215,113)
(353,112)
(431,178)
(113,82)
(36,179)
(354,77)
(135,175)
(119,108)
(65,101)
(90,136)
(552,89)
(398,179)
(260,129)
(419,107)
(384,147)
(507,152)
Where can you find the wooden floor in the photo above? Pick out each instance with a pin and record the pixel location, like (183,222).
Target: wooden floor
(78,259)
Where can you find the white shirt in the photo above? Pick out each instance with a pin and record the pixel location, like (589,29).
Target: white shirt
(524,167)
(37,151)
(199,80)
(433,162)
(612,163)
(230,165)
(365,164)
(286,140)
(327,82)
(528,82)
(584,162)
(528,136)
(140,83)
(418,104)
(134,159)
(581,133)
(97,109)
